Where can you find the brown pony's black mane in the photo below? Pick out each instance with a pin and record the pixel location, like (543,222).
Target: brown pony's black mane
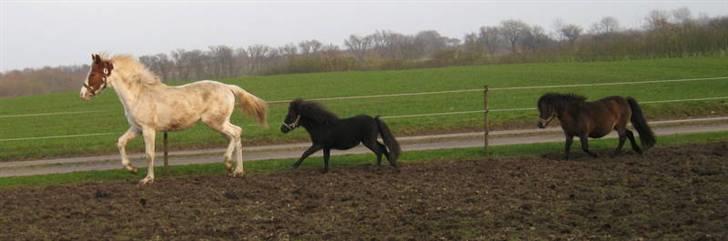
(314,111)
(556,98)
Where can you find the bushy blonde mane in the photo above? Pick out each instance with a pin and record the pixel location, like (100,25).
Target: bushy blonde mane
(129,66)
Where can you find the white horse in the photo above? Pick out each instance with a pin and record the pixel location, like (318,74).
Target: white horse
(151,106)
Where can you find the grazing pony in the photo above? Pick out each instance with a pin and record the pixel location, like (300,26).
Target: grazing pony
(595,119)
(328,132)
(151,106)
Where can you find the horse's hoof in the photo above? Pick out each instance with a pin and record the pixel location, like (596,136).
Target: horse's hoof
(237,173)
(228,166)
(132,169)
(146,181)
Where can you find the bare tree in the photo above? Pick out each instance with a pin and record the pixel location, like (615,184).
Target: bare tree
(605,25)
(490,38)
(682,15)
(513,31)
(257,54)
(570,32)
(221,58)
(430,42)
(288,50)
(657,19)
(358,46)
(310,47)
(536,38)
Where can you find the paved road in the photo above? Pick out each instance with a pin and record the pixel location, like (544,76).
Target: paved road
(411,143)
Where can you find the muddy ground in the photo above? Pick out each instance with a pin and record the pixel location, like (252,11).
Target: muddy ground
(678,193)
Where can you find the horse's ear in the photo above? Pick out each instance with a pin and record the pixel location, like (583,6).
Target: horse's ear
(96,58)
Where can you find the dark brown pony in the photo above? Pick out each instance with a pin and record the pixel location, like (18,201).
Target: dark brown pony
(595,119)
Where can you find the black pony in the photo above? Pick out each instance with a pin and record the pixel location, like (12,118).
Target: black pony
(595,119)
(328,132)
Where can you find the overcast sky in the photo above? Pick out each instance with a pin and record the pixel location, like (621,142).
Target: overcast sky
(44,33)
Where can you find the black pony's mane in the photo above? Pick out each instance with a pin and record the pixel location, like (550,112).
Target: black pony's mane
(314,111)
(555,98)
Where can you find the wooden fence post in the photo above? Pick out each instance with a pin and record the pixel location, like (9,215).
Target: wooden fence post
(166,153)
(485,118)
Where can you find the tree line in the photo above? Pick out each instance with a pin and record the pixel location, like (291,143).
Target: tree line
(673,33)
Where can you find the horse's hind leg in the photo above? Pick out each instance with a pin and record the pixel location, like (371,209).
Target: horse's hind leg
(232,133)
(327,154)
(632,141)
(149,135)
(622,137)
(377,148)
(121,144)
(585,145)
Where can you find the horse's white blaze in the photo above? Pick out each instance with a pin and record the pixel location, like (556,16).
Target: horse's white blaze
(151,106)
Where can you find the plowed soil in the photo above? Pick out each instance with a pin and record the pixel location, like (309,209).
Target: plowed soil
(677,193)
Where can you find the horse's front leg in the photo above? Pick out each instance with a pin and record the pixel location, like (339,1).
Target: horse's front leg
(130,134)
(314,148)
(567,146)
(149,135)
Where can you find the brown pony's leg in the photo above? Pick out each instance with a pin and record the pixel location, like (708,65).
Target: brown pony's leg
(622,137)
(567,146)
(632,141)
(585,145)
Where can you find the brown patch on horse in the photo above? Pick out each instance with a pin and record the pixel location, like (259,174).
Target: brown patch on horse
(100,70)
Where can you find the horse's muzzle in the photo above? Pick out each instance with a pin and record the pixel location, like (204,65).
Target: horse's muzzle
(285,129)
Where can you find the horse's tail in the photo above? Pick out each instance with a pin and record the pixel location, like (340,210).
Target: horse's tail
(389,141)
(251,105)
(647,138)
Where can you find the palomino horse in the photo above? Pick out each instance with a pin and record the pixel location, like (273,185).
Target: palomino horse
(595,119)
(151,106)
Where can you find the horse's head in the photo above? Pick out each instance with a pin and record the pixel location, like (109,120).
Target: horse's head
(293,118)
(546,110)
(96,81)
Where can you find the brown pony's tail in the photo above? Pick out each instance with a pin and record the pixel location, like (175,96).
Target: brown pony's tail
(389,141)
(252,105)
(647,138)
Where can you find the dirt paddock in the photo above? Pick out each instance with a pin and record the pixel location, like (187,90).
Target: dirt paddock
(668,194)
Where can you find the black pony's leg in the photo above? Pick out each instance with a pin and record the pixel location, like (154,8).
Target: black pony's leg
(632,141)
(314,148)
(567,146)
(585,145)
(622,138)
(377,148)
(327,153)
(386,153)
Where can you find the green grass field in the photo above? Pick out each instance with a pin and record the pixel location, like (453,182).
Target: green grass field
(110,123)
(257,167)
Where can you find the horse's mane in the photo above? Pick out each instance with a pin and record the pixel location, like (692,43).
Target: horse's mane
(555,98)
(314,111)
(127,65)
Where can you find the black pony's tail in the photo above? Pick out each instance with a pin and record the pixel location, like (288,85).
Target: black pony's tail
(647,138)
(389,141)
